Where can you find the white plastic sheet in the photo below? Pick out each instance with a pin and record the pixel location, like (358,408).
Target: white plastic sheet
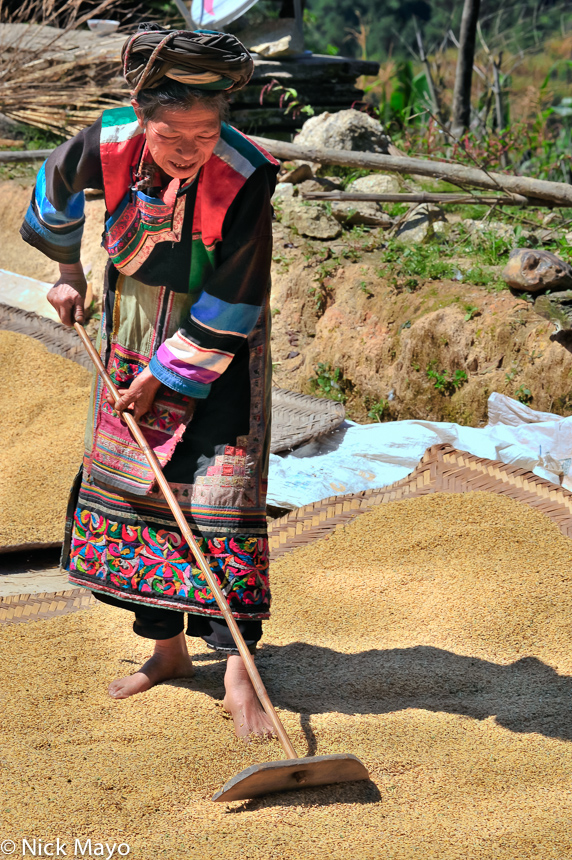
(361,457)
(26,293)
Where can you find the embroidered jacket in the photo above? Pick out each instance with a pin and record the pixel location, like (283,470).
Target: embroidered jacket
(204,238)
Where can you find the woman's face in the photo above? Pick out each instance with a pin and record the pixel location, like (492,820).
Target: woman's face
(181,141)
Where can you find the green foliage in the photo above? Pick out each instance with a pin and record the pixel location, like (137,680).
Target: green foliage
(37,138)
(288,99)
(408,100)
(415,261)
(365,289)
(346,174)
(471,311)
(283,261)
(541,148)
(391,24)
(487,246)
(378,411)
(479,277)
(330,382)
(524,395)
(445,382)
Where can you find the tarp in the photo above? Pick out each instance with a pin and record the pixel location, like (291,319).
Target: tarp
(26,293)
(361,457)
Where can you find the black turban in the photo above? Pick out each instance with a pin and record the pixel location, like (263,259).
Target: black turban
(202,59)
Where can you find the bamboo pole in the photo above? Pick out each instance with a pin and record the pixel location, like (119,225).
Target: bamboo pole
(559,193)
(27,155)
(425,197)
(555,193)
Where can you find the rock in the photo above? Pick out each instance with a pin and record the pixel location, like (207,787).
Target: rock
(310,219)
(477,228)
(360,212)
(552,219)
(419,226)
(299,174)
(283,190)
(366,212)
(376,183)
(277,37)
(347,129)
(441,229)
(544,237)
(557,308)
(319,184)
(535,270)
(283,47)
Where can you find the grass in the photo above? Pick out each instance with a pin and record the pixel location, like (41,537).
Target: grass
(409,265)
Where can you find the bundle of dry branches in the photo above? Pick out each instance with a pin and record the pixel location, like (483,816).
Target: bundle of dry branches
(58,79)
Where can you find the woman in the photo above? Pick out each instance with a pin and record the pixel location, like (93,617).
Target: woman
(185,336)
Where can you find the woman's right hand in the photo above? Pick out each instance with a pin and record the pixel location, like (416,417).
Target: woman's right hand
(68,293)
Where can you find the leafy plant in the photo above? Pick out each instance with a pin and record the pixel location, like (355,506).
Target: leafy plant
(445,382)
(365,289)
(37,138)
(378,411)
(330,382)
(283,260)
(288,100)
(408,100)
(523,395)
(471,311)
(417,261)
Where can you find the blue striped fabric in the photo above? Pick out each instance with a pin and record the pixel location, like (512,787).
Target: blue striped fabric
(223,316)
(56,234)
(72,215)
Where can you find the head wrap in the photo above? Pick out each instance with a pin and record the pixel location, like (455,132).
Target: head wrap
(203,59)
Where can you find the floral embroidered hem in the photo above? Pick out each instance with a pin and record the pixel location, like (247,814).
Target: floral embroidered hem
(156,566)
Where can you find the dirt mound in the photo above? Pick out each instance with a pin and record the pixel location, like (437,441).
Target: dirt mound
(434,350)
(430,637)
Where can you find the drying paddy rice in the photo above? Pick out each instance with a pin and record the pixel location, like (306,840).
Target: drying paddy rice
(430,637)
(43,407)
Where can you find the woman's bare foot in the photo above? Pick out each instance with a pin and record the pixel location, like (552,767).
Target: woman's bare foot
(242,702)
(170,660)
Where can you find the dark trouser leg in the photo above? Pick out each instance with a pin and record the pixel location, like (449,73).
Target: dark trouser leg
(154,622)
(151,622)
(215,632)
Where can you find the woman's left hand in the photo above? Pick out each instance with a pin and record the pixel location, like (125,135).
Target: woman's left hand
(139,397)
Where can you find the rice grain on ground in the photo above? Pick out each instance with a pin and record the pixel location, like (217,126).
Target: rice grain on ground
(430,637)
(43,408)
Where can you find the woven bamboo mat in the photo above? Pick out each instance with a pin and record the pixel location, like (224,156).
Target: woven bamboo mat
(298,418)
(443,469)
(56,337)
(33,607)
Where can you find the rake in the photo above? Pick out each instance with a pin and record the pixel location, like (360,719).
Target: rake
(270,776)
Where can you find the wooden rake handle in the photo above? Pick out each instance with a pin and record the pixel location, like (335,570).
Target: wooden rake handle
(137,434)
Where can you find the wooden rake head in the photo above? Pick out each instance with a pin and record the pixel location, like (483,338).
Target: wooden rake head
(292,773)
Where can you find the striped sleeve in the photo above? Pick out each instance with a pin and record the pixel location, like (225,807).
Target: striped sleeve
(55,217)
(229,305)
